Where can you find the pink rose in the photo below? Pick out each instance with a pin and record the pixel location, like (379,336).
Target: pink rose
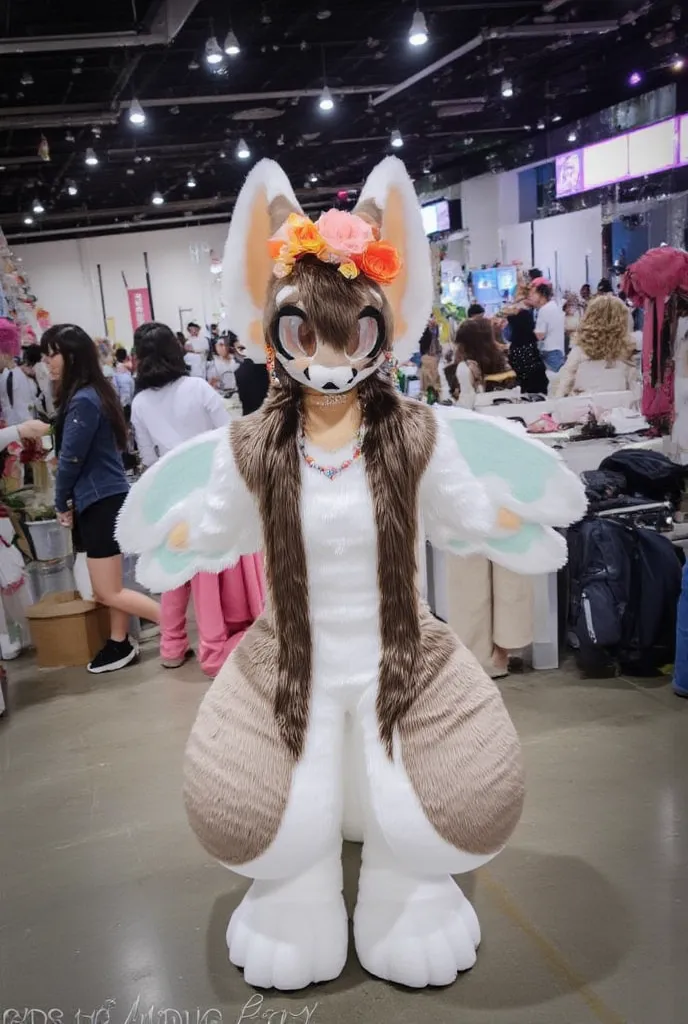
(344,232)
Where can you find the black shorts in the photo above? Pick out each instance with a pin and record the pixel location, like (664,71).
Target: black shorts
(95,528)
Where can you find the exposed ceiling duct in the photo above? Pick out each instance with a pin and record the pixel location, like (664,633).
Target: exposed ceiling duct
(580,28)
(29,120)
(165,23)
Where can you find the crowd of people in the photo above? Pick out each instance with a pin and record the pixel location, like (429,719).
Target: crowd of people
(583,346)
(109,411)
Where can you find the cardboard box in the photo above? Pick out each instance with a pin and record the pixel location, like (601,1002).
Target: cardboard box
(66,631)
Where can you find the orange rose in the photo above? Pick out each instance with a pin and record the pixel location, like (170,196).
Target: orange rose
(304,238)
(275,248)
(381,262)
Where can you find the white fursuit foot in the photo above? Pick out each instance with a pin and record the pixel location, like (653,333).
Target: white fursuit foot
(291,934)
(414,931)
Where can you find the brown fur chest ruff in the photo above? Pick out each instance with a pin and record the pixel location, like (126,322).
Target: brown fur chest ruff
(399,441)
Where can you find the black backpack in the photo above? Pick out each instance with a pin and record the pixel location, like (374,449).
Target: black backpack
(624,586)
(648,474)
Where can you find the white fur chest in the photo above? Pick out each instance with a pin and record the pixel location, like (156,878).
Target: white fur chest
(340,538)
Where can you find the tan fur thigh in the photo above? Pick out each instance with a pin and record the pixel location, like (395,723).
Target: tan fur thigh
(238,770)
(460,748)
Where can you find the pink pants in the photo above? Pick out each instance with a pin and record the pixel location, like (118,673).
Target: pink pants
(225,604)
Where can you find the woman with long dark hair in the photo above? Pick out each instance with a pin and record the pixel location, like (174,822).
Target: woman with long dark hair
(90,486)
(480,363)
(169,408)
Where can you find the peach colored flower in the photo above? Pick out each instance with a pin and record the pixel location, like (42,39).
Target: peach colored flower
(381,262)
(345,233)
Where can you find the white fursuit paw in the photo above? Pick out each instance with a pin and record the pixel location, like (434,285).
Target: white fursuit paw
(288,945)
(414,933)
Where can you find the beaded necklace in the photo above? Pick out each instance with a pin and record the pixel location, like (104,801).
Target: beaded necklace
(331,472)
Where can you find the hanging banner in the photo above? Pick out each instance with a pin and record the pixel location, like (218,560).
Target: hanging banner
(139,306)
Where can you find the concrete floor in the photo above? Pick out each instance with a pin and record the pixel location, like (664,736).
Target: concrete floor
(106,896)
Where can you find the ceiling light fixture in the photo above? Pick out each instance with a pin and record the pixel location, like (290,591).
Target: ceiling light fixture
(26,78)
(572,136)
(418,33)
(72,188)
(242,150)
(678,64)
(157,199)
(541,125)
(326,101)
(396,139)
(313,177)
(91,159)
(28,219)
(635,78)
(507,88)
(137,114)
(556,119)
(232,48)
(213,53)
(191,181)
(38,207)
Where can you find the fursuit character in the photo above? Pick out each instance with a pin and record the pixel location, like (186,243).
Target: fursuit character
(347,708)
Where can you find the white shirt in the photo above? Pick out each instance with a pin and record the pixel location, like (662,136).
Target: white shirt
(163,418)
(198,343)
(223,370)
(196,363)
(581,375)
(550,323)
(26,399)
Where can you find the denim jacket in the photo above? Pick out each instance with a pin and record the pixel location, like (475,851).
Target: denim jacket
(89,466)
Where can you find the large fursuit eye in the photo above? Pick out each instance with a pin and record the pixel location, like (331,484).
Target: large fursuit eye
(371,335)
(296,337)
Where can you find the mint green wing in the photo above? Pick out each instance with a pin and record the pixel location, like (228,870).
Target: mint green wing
(512,471)
(196,487)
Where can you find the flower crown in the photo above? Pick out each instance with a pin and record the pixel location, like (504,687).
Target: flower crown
(337,237)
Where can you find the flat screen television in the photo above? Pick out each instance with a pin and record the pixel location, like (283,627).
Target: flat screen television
(436,217)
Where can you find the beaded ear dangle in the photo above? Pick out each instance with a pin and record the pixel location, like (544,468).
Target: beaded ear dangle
(270,363)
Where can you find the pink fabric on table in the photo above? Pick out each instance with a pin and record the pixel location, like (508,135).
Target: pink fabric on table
(226,605)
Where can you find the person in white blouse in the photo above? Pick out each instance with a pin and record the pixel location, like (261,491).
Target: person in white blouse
(169,408)
(603,357)
(221,367)
(480,363)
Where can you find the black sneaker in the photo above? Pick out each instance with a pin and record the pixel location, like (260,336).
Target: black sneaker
(116,654)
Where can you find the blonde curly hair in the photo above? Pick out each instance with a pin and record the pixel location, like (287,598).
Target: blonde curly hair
(604,331)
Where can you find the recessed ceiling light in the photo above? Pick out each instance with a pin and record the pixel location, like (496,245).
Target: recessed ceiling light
(242,150)
(157,199)
(137,115)
(396,139)
(213,53)
(232,47)
(418,33)
(326,101)
(91,159)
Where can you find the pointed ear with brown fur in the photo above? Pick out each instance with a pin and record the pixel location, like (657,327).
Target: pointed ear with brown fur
(264,203)
(389,201)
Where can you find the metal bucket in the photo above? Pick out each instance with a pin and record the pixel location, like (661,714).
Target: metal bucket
(50,577)
(50,540)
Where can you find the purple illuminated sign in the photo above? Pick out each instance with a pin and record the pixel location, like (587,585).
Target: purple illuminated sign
(658,147)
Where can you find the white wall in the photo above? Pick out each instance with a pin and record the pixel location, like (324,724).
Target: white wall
(488,203)
(562,244)
(64,279)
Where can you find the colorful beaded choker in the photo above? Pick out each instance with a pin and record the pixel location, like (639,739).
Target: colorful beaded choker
(331,472)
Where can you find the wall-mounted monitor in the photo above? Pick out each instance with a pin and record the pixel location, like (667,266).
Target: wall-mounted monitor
(651,150)
(436,217)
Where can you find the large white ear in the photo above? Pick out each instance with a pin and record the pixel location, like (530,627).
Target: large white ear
(263,205)
(389,200)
